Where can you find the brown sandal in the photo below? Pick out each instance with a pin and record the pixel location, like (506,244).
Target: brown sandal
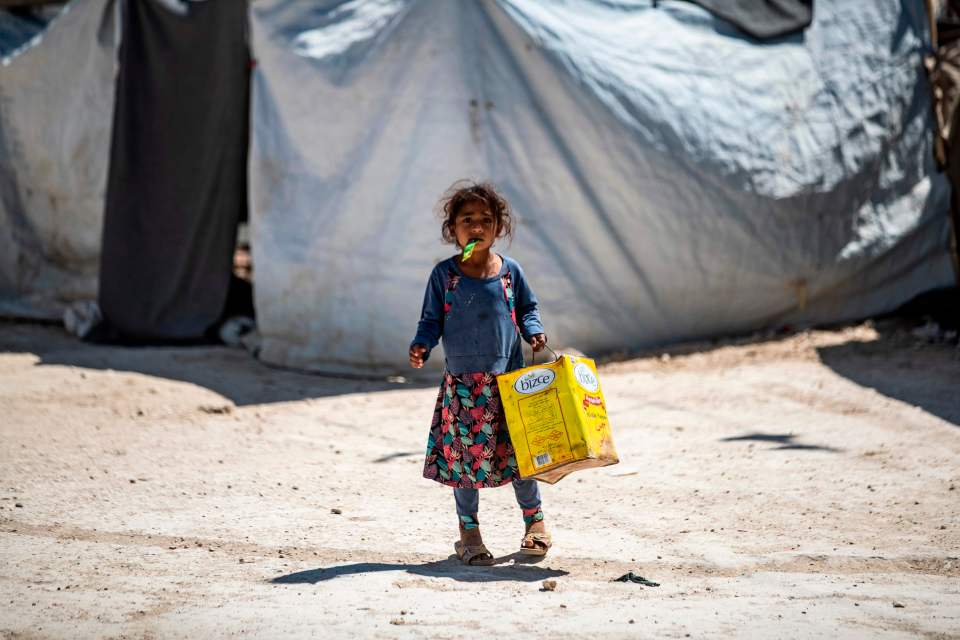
(541,542)
(474,555)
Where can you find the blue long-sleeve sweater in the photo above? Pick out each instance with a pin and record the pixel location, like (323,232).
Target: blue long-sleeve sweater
(478,332)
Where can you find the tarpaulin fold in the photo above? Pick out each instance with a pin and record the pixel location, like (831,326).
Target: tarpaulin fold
(763,19)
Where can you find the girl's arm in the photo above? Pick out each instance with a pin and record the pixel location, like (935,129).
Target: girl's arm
(528,310)
(430,327)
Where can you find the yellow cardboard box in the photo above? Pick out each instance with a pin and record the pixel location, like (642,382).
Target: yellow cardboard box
(557,418)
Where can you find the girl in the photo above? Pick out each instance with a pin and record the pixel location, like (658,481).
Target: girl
(479,302)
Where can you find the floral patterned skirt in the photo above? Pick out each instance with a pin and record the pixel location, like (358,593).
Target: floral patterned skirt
(469,445)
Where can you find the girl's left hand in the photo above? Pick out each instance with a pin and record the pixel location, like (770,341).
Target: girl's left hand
(538,341)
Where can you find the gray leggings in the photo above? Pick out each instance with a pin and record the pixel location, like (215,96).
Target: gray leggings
(468,500)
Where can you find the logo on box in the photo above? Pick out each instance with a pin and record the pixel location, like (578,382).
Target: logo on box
(585,377)
(533,381)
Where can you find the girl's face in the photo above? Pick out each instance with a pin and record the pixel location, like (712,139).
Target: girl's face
(475,222)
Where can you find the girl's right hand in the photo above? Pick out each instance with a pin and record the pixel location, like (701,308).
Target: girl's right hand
(417,353)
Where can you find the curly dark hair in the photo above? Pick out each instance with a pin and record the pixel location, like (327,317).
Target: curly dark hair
(464,191)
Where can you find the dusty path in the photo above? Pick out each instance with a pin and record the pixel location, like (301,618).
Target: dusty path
(796,488)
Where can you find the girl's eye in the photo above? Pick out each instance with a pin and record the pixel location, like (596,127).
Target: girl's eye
(466,220)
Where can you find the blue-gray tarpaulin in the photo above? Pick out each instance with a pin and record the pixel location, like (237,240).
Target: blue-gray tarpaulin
(675,178)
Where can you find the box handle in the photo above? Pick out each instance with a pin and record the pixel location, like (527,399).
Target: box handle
(533,355)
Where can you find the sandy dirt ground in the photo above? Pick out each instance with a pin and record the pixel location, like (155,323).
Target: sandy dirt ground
(806,486)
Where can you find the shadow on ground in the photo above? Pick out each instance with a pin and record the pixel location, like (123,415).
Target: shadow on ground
(232,373)
(898,364)
(502,570)
(902,367)
(785,440)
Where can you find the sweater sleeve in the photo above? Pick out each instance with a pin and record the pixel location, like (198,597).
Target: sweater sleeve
(430,327)
(528,310)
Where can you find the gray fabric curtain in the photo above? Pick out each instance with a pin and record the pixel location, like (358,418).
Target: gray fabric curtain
(177,178)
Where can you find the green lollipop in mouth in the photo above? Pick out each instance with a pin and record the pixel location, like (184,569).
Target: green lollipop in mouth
(468,250)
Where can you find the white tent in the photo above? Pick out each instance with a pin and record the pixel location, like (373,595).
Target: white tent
(674,178)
